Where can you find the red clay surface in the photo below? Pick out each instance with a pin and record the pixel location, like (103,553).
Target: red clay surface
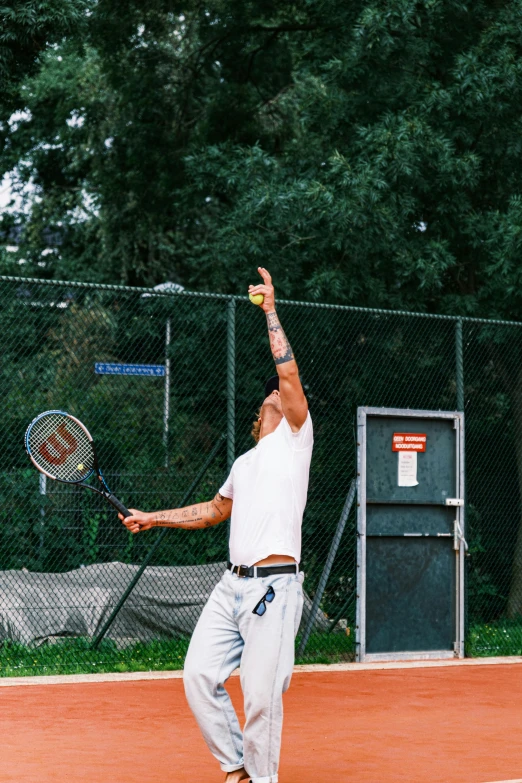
(461,725)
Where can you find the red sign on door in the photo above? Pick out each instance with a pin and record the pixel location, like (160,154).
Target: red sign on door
(409,441)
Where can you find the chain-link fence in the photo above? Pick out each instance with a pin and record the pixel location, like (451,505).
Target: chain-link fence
(167,436)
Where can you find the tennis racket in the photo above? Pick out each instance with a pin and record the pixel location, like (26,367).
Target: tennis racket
(61,447)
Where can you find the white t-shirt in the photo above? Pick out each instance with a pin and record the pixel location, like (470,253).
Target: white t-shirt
(269,485)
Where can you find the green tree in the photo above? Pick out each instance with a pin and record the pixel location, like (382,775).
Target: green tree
(368,152)
(27,29)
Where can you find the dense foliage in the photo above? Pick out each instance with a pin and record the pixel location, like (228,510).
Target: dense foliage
(369,151)
(27,29)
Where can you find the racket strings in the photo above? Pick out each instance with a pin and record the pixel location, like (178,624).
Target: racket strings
(60,447)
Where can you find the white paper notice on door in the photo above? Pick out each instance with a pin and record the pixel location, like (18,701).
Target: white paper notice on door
(407,468)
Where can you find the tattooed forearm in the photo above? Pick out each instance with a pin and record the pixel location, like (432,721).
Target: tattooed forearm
(281,348)
(197,516)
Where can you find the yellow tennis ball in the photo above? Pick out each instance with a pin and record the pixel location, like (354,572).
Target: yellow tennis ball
(80,466)
(256,299)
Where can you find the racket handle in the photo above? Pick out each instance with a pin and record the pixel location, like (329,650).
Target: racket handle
(118,505)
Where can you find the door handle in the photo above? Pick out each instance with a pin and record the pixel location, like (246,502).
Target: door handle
(458,536)
(429,535)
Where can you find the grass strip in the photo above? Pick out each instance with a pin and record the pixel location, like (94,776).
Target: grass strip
(503,637)
(76,656)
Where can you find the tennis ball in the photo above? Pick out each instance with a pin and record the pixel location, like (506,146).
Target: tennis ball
(256,299)
(80,466)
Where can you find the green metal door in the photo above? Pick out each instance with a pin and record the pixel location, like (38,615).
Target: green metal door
(410,534)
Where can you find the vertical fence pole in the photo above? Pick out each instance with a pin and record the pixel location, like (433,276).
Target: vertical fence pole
(462,605)
(231,383)
(43,491)
(166,403)
(459,357)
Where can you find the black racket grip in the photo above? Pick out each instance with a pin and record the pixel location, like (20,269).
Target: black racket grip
(118,505)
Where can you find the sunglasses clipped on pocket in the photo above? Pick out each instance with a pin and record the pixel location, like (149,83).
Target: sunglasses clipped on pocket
(260,607)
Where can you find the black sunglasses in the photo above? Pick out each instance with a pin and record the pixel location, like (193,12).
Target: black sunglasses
(260,607)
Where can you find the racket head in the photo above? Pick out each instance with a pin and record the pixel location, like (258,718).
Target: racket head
(61,447)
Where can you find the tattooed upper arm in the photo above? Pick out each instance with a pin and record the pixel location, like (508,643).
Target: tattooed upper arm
(223,506)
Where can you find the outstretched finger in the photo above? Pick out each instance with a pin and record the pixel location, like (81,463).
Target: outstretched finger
(265,274)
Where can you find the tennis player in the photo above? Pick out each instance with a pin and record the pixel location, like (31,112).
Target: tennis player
(253,614)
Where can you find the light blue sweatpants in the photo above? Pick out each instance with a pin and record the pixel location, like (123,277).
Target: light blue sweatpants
(227,635)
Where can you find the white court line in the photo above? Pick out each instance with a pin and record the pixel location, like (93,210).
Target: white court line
(518,780)
(75,679)
(420,664)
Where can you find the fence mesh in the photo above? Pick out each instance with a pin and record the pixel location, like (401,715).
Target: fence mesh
(167,439)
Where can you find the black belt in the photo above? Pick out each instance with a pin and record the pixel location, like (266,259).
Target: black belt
(253,571)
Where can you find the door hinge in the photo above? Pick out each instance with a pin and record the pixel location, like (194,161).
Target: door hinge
(454,502)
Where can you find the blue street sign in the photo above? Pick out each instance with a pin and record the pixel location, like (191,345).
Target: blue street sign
(111,368)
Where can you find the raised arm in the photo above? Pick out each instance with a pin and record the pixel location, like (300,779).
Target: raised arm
(293,400)
(193,517)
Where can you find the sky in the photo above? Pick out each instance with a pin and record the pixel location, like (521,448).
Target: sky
(5,192)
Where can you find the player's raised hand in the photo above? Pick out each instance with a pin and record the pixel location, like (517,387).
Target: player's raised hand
(266,289)
(138,521)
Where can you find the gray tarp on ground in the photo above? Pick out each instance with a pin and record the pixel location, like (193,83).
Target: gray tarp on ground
(166,601)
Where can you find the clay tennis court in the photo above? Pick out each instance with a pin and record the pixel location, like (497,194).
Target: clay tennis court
(443,724)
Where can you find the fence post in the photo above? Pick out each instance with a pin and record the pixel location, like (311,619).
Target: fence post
(334,546)
(43,491)
(463,565)
(166,403)
(459,365)
(231,383)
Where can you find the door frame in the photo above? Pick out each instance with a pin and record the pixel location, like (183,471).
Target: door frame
(459,540)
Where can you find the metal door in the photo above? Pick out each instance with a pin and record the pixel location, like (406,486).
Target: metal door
(410,525)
